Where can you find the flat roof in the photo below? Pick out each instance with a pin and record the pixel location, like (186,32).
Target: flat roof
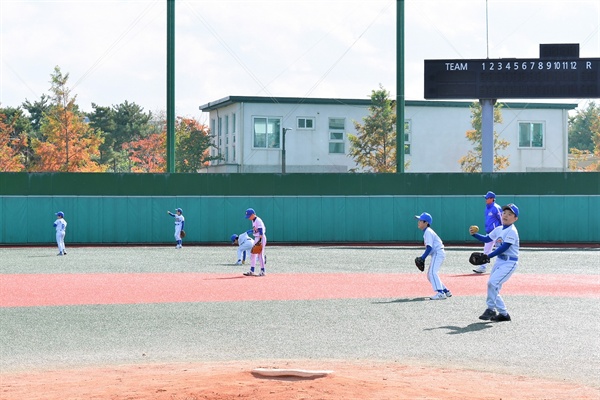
(225,101)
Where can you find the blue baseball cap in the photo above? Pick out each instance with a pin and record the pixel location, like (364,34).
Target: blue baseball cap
(250,212)
(424,217)
(60,214)
(512,208)
(233,237)
(179,210)
(490,195)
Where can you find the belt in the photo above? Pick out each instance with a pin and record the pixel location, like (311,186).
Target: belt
(506,258)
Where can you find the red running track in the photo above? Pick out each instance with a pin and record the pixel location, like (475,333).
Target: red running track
(27,290)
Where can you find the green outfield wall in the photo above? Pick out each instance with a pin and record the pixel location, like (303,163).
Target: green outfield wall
(297,208)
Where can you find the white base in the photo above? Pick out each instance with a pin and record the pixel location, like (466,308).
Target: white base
(302,373)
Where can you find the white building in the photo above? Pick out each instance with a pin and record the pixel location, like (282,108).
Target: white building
(249,134)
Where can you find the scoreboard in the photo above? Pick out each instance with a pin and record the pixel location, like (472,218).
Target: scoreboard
(510,78)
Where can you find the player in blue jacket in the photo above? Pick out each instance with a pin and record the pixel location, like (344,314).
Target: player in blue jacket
(179,223)
(493,218)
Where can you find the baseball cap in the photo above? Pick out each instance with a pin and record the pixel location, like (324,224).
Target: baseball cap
(424,217)
(250,212)
(233,237)
(512,208)
(60,214)
(180,210)
(490,195)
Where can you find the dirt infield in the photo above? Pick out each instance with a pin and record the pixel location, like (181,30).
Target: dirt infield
(159,324)
(234,380)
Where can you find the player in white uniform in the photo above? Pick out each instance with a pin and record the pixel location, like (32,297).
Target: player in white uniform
(506,238)
(61,226)
(259,231)
(244,244)
(435,247)
(179,223)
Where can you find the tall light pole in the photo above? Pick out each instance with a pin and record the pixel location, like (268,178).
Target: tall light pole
(283,149)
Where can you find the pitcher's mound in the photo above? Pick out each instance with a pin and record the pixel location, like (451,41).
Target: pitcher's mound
(235,380)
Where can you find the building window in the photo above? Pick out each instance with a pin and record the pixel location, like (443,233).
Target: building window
(407,135)
(336,136)
(227,124)
(267,132)
(307,123)
(233,121)
(531,135)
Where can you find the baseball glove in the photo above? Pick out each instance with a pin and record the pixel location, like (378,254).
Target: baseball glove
(420,263)
(256,249)
(182,234)
(479,258)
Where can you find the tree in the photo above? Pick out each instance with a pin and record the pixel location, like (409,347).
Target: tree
(148,154)
(36,111)
(374,146)
(472,161)
(580,128)
(70,143)
(193,142)
(11,147)
(17,127)
(120,124)
(585,160)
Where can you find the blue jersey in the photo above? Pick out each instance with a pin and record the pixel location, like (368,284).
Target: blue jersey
(493,216)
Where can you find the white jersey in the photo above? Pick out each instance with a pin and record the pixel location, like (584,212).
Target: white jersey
(257,226)
(179,220)
(431,238)
(60,224)
(245,241)
(506,234)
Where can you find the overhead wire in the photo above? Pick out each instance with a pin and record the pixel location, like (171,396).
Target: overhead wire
(115,43)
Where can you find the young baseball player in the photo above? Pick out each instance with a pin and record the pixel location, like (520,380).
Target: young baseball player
(179,223)
(259,231)
(244,244)
(506,238)
(61,226)
(493,218)
(434,247)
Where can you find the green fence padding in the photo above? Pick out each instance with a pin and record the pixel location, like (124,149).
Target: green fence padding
(289,219)
(297,208)
(100,184)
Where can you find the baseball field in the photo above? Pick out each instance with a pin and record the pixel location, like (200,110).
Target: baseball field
(160,323)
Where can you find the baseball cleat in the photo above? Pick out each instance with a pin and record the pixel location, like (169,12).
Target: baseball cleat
(438,296)
(480,270)
(262,273)
(249,273)
(487,315)
(448,293)
(238,262)
(500,318)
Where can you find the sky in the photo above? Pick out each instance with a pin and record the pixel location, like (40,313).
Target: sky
(115,50)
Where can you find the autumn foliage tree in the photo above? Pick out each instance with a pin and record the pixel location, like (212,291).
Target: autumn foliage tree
(68,144)
(472,161)
(148,154)
(11,147)
(193,142)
